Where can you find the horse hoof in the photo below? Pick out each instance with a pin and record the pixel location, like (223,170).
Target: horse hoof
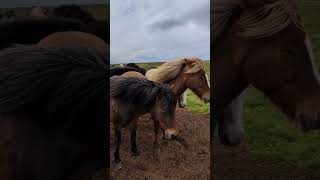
(117,166)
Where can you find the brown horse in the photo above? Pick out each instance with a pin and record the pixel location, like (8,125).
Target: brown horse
(181,74)
(265,45)
(74,38)
(133,96)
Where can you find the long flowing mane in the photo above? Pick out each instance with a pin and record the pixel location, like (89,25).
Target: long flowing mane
(262,21)
(60,83)
(139,91)
(170,70)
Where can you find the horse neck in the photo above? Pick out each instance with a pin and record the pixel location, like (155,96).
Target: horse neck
(178,85)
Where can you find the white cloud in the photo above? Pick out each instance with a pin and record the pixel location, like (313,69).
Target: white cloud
(149,30)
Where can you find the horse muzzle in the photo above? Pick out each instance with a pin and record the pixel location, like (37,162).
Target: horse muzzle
(206,99)
(171,133)
(231,139)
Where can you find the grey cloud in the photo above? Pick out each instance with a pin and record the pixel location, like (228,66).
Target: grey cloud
(167,24)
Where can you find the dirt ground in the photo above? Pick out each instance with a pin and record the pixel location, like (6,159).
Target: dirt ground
(233,163)
(175,161)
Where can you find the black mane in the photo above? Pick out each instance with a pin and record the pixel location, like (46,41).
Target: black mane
(139,69)
(120,70)
(139,91)
(60,83)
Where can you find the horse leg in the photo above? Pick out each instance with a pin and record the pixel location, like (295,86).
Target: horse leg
(117,161)
(156,147)
(229,82)
(230,129)
(133,134)
(183,100)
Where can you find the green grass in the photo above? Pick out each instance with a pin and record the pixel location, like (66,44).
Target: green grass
(269,135)
(194,104)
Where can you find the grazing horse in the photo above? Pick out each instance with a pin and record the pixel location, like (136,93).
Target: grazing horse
(53,104)
(181,74)
(262,44)
(131,97)
(73,38)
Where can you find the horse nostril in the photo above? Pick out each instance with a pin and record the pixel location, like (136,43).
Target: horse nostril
(308,122)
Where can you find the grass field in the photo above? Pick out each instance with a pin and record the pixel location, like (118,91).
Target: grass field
(268,133)
(194,104)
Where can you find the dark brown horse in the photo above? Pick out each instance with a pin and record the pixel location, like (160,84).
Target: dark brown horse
(131,97)
(263,44)
(53,104)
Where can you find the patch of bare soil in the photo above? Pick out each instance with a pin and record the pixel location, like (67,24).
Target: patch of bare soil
(175,160)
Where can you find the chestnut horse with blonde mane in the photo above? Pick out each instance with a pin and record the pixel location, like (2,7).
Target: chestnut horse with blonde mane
(263,44)
(182,74)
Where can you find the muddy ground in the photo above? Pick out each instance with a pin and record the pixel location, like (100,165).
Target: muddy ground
(175,161)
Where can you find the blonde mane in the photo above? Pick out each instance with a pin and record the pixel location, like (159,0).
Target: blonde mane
(170,70)
(265,21)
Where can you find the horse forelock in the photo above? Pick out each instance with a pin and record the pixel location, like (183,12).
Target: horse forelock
(269,19)
(264,21)
(197,65)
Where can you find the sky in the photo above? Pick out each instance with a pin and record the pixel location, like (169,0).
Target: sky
(29,3)
(159,30)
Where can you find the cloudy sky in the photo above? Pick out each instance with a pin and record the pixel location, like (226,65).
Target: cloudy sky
(28,3)
(150,30)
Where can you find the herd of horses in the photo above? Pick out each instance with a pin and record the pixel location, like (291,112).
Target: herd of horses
(133,94)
